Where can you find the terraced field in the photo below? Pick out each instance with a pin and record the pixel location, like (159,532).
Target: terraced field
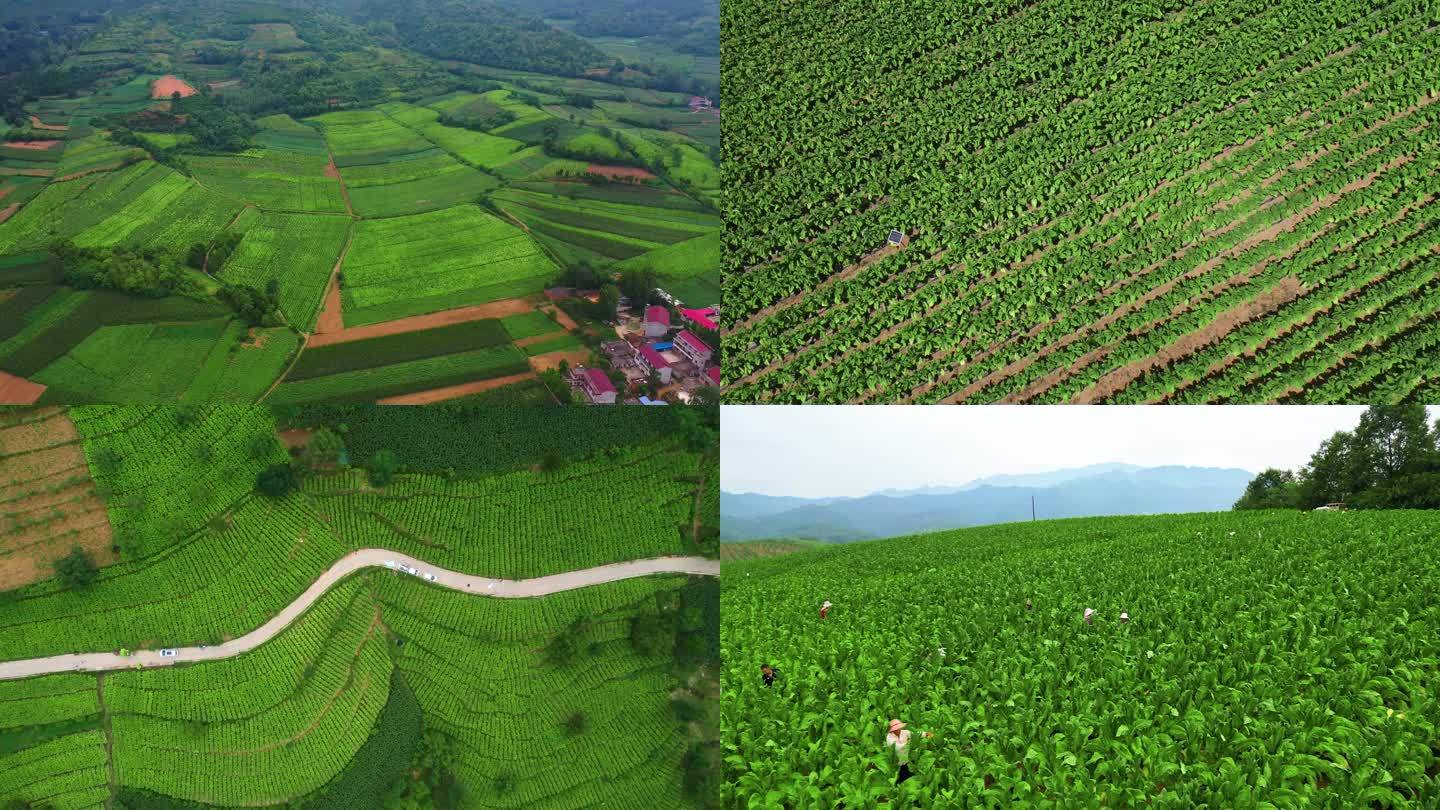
(330,711)
(1184,203)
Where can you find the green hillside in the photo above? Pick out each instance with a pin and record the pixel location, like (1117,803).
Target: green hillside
(1287,658)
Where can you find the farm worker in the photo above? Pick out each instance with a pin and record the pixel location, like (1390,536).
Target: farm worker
(1029,606)
(1089,614)
(825,609)
(899,739)
(768,673)
(1124,617)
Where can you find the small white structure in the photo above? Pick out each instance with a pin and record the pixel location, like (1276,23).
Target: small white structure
(897,239)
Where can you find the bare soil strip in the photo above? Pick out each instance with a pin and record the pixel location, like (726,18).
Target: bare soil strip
(36,123)
(17,390)
(619,171)
(331,329)
(564,319)
(456,391)
(549,360)
(1262,305)
(6,213)
(38,146)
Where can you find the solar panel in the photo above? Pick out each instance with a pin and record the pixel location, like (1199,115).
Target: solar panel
(896,237)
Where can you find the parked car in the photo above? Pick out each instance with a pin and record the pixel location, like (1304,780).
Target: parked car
(429,577)
(391,564)
(410,570)
(168,653)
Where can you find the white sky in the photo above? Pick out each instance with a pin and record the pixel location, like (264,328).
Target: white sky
(838,450)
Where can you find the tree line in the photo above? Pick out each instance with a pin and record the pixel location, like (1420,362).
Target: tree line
(1391,460)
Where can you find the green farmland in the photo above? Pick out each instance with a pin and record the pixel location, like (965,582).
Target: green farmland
(1272,657)
(1173,202)
(331,181)
(387,690)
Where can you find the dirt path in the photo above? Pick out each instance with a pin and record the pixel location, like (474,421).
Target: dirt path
(304,341)
(17,390)
(332,318)
(349,564)
(830,281)
(456,391)
(1263,304)
(333,171)
(327,333)
(9,211)
(38,146)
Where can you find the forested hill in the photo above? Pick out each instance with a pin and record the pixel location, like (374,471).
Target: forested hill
(477,31)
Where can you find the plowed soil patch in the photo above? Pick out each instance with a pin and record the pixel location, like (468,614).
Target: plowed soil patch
(165,86)
(563,318)
(49,504)
(6,213)
(36,145)
(299,437)
(5,191)
(36,123)
(549,360)
(619,171)
(455,391)
(17,390)
(325,335)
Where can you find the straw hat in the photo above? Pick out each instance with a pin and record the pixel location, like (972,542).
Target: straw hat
(1124,617)
(1088,613)
(895,726)
(827,604)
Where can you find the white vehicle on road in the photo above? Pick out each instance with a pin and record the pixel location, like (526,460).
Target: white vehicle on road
(429,577)
(409,570)
(391,564)
(168,653)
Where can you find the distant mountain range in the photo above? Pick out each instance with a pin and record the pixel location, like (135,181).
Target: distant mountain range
(1100,489)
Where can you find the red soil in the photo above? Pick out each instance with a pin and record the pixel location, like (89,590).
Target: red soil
(40,145)
(325,336)
(5,191)
(331,319)
(17,390)
(619,171)
(6,213)
(38,124)
(165,86)
(455,391)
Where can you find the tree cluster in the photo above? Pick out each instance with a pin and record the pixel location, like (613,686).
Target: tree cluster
(142,271)
(1390,461)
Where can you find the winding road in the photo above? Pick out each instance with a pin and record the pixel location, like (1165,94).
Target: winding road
(350,563)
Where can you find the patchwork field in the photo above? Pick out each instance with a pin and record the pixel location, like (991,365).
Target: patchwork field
(386,684)
(428,262)
(1191,204)
(317,178)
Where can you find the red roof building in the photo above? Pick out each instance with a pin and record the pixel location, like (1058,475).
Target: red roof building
(702,317)
(692,347)
(714,374)
(650,361)
(598,386)
(657,321)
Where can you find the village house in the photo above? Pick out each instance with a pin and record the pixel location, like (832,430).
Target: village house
(598,387)
(703,318)
(657,321)
(713,373)
(693,348)
(649,360)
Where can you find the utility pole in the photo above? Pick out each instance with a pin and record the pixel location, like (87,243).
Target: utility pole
(1032,507)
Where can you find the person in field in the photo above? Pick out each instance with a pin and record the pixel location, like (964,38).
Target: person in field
(825,609)
(768,673)
(898,738)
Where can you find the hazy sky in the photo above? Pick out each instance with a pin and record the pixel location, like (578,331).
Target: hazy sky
(818,451)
